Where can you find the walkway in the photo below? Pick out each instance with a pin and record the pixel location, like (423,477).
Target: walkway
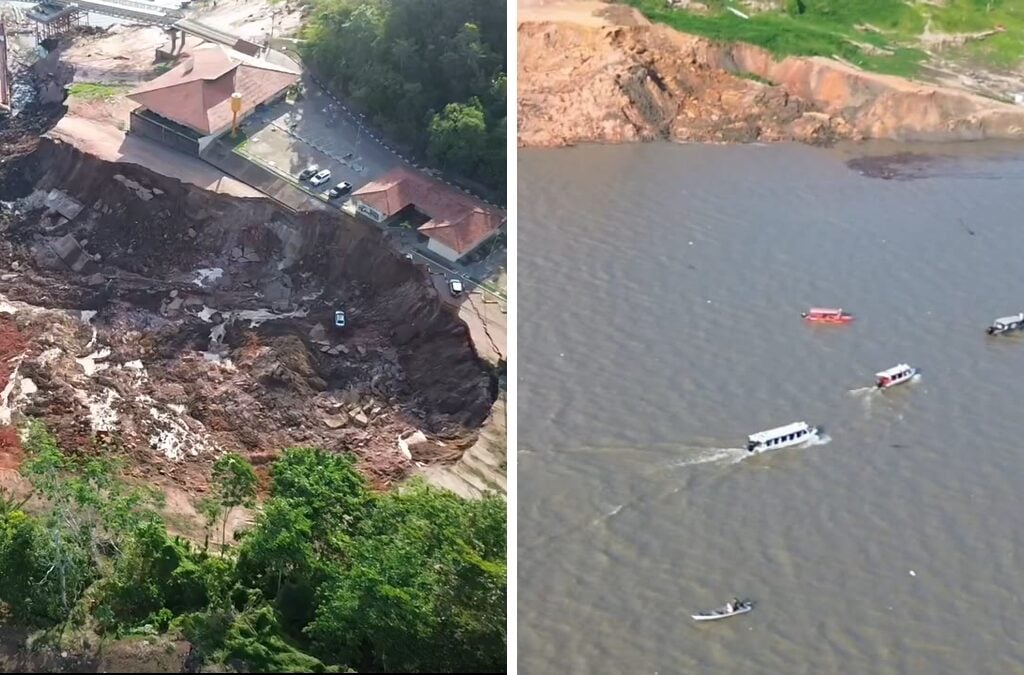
(153,15)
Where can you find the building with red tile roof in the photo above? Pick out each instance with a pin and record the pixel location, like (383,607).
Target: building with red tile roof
(458,223)
(196,94)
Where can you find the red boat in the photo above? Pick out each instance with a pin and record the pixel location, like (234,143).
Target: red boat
(827,315)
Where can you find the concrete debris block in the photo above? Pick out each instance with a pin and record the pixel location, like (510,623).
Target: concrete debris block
(416,439)
(157,191)
(141,192)
(342,349)
(191,233)
(360,420)
(361,349)
(236,253)
(375,410)
(59,201)
(325,348)
(336,421)
(73,255)
(318,334)
(403,448)
(335,351)
(96,279)
(9,277)
(277,290)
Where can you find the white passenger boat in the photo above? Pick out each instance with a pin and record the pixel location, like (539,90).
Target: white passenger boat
(1007,324)
(895,375)
(780,437)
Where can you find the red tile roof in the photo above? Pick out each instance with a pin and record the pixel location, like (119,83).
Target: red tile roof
(197,93)
(457,220)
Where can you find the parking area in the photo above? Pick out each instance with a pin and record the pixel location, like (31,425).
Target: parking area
(316,131)
(287,138)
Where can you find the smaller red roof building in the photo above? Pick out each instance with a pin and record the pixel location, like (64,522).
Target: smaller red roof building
(458,223)
(197,92)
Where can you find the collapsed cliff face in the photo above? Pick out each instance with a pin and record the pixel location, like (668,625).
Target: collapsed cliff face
(595,72)
(172,323)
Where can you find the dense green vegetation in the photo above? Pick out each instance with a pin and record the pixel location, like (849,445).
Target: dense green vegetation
(331,576)
(429,72)
(878,35)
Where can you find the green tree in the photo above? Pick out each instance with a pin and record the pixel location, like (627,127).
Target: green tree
(279,546)
(235,484)
(325,487)
(395,604)
(211,511)
(401,61)
(458,137)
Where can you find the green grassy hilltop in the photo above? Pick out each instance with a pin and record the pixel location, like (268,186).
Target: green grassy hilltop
(898,37)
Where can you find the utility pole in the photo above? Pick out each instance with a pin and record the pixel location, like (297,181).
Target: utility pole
(5,83)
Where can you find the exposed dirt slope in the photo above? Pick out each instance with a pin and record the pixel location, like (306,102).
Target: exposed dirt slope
(595,72)
(171,323)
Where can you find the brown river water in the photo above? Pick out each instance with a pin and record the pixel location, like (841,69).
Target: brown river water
(660,291)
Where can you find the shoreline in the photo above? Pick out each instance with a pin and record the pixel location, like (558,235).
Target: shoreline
(593,72)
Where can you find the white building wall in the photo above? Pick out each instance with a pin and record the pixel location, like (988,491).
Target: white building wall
(442,250)
(368,211)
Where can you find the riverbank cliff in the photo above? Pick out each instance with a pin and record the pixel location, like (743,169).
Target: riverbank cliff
(595,72)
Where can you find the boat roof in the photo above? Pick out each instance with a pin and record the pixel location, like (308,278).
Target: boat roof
(762,436)
(895,370)
(825,310)
(1010,319)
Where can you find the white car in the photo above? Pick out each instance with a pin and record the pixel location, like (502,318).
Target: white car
(455,287)
(321,177)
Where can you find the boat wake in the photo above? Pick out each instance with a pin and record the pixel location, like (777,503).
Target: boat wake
(709,456)
(816,440)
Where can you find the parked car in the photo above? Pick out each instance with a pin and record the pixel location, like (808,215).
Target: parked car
(309,172)
(340,189)
(455,287)
(321,178)
(339,318)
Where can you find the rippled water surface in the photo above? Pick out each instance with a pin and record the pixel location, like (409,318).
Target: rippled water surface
(660,291)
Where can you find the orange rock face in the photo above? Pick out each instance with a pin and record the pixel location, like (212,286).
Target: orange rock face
(591,72)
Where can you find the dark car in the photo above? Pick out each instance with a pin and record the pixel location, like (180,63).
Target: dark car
(309,172)
(340,189)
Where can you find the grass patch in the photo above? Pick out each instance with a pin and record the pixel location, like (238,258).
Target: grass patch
(94,92)
(785,34)
(845,28)
(753,77)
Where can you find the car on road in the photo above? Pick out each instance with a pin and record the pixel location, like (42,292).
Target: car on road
(455,287)
(340,189)
(309,172)
(321,177)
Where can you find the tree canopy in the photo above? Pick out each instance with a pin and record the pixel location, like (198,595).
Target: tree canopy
(331,576)
(422,70)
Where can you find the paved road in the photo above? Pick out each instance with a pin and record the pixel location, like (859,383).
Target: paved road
(318,130)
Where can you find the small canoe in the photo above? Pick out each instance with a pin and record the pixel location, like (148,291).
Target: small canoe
(723,612)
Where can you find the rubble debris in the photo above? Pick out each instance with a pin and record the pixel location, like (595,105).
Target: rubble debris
(207,326)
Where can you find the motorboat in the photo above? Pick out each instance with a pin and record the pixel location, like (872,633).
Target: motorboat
(895,375)
(731,608)
(1007,324)
(827,315)
(780,437)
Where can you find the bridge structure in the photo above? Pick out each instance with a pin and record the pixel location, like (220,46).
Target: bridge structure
(174,21)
